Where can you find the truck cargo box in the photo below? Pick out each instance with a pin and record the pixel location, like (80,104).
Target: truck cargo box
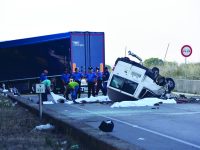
(24,59)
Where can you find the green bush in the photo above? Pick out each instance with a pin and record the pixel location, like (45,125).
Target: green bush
(189,71)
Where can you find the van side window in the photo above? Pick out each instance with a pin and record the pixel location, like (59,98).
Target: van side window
(129,86)
(123,84)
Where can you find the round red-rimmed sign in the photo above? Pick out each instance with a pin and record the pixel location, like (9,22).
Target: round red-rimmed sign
(186,50)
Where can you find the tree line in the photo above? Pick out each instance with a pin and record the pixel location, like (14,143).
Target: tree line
(190,71)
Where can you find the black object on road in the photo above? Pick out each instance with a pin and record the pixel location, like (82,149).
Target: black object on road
(106,126)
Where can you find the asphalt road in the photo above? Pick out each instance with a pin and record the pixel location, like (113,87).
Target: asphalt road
(172,126)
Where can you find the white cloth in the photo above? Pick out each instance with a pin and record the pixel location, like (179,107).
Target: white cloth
(56,97)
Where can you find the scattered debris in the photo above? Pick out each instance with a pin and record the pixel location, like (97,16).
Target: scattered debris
(74,147)
(140,139)
(14,103)
(44,127)
(181,98)
(4,91)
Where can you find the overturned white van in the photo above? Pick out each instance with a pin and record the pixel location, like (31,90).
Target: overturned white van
(132,81)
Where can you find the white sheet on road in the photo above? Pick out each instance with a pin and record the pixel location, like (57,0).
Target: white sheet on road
(142,102)
(50,102)
(93,99)
(56,97)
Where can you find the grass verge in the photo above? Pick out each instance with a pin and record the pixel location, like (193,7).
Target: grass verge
(17,131)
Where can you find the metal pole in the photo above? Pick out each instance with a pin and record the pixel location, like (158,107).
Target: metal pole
(166,51)
(185,67)
(125,51)
(40,106)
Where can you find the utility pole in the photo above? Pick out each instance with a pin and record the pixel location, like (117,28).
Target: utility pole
(125,51)
(166,51)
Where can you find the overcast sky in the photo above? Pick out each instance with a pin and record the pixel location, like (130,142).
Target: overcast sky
(142,26)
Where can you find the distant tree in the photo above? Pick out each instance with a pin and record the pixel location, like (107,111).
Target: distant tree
(109,67)
(153,62)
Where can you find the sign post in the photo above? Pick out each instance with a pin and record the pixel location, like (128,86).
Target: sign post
(186,51)
(40,88)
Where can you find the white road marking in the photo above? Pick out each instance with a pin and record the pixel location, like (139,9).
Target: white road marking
(142,128)
(183,113)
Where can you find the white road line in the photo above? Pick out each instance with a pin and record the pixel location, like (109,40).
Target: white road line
(181,113)
(144,129)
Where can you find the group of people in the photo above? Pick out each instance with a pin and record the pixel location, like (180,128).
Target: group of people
(96,81)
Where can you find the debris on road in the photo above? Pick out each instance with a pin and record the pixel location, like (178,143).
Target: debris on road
(44,127)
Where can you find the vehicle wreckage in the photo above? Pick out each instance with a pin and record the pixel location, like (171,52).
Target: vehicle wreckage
(131,80)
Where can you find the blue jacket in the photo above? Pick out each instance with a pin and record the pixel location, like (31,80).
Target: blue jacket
(106,76)
(43,77)
(99,76)
(77,76)
(65,77)
(91,77)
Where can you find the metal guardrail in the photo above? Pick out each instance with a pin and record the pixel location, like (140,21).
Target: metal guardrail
(187,86)
(24,79)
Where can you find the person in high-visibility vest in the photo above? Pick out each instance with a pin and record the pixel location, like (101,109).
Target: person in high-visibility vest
(73,87)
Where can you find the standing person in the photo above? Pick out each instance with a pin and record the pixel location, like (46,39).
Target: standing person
(99,81)
(73,88)
(77,76)
(106,76)
(43,75)
(65,80)
(47,84)
(91,79)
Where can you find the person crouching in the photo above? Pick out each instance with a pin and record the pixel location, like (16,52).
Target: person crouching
(73,87)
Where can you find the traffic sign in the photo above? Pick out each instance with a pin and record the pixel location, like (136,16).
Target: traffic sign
(40,88)
(186,50)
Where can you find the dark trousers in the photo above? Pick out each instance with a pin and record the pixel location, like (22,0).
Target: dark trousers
(99,87)
(105,87)
(44,95)
(79,89)
(91,88)
(66,91)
